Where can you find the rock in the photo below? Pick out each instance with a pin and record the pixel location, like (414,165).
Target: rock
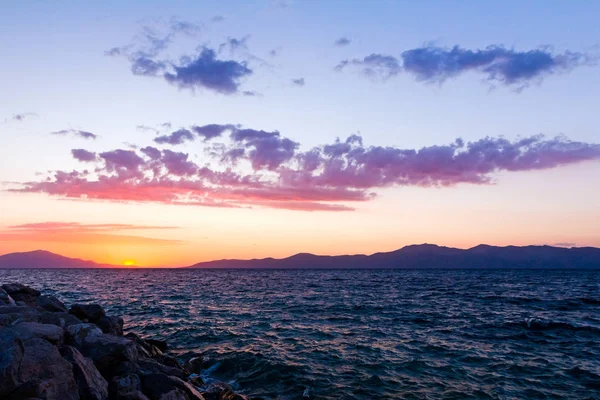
(196,380)
(5,298)
(87,312)
(21,293)
(91,385)
(221,391)
(194,364)
(76,334)
(51,333)
(158,343)
(62,319)
(35,370)
(145,348)
(174,395)
(110,325)
(107,351)
(149,365)
(50,303)
(11,358)
(14,314)
(156,385)
(126,387)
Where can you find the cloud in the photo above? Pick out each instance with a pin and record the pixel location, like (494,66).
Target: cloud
(252,167)
(343,41)
(235,44)
(217,18)
(299,82)
(75,232)
(83,155)
(496,63)
(207,72)
(177,137)
(23,116)
(75,132)
(275,52)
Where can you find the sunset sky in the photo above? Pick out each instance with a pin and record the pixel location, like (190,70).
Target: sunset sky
(168,134)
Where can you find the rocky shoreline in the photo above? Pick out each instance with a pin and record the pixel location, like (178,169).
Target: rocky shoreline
(52,352)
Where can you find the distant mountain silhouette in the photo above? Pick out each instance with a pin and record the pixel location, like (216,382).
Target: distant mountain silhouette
(45,259)
(432,256)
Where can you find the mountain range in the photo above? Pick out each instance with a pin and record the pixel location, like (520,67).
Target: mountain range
(415,256)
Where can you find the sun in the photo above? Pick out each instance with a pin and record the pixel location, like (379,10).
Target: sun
(129,263)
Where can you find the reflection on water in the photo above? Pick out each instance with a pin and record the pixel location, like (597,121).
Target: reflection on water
(363,334)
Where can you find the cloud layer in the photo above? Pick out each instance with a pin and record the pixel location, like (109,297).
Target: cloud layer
(249,167)
(497,64)
(75,132)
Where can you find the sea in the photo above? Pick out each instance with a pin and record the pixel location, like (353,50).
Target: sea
(361,334)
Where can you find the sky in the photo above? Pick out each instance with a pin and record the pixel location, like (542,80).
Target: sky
(159,133)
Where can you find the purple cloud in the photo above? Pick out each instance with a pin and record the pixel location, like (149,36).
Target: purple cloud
(83,155)
(299,82)
(76,132)
(496,63)
(211,131)
(343,41)
(177,137)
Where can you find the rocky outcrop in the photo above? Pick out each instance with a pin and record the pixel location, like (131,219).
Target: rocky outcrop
(49,353)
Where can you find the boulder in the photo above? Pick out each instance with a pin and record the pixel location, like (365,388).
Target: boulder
(5,298)
(107,351)
(87,312)
(14,314)
(158,343)
(51,333)
(76,334)
(40,372)
(156,385)
(126,387)
(175,394)
(62,319)
(11,358)
(91,385)
(221,391)
(21,292)
(144,347)
(150,365)
(50,303)
(110,325)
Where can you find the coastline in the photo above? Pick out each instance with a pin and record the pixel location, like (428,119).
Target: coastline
(53,352)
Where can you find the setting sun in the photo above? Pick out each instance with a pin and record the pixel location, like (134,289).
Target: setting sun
(129,263)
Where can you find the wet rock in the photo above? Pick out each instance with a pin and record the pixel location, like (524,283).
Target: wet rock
(87,312)
(62,319)
(5,298)
(221,391)
(21,292)
(126,387)
(91,385)
(41,372)
(51,333)
(156,385)
(149,365)
(158,343)
(50,303)
(110,325)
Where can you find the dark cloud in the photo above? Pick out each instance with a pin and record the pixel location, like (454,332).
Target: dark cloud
(83,155)
(253,167)
(207,72)
(299,82)
(495,63)
(211,131)
(76,132)
(343,41)
(145,66)
(177,137)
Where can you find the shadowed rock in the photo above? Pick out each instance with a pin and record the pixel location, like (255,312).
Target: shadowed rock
(91,385)
(62,319)
(87,312)
(126,387)
(21,292)
(110,325)
(51,333)
(156,385)
(5,298)
(50,303)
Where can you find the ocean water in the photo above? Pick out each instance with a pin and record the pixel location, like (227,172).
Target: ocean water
(363,334)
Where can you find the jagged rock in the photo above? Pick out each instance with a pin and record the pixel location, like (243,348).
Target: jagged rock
(107,351)
(5,298)
(14,314)
(110,325)
(174,395)
(50,303)
(62,319)
(149,365)
(196,380)
(87,312)
(145,348)
(194,364)
(155,385)
(51,333)
(21,292)
(92,386)
(126,387)
(158,343)
(221,391)
(34,368)
(76,334)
